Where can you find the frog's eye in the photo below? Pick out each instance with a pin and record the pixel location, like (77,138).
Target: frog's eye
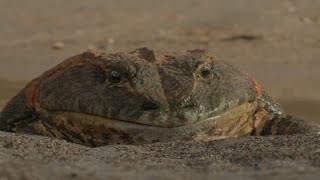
(205,72)
(115,76)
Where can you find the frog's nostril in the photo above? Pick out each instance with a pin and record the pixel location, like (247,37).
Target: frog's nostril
(150,106)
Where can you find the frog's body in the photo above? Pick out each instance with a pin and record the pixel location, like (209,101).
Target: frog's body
(142,97)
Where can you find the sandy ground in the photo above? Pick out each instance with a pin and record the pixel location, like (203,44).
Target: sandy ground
(31,157)
(276,41)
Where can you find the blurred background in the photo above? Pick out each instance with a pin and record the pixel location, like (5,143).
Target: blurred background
(276,41)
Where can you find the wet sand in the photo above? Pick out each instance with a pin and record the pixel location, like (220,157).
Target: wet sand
(276,41)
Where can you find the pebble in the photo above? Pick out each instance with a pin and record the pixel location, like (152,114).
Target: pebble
(306,20)
(58,45)
(110,41)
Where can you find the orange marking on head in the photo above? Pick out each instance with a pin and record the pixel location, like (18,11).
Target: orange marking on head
(256,84)
(31,92)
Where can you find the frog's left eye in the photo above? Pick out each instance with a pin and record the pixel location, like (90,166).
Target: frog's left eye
(205,72)
(115,76)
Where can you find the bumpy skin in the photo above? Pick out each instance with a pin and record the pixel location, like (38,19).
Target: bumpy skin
(143,97)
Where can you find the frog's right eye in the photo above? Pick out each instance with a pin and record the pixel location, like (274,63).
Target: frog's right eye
(205,72)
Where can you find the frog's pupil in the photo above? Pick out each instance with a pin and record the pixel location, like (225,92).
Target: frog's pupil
(115,76)
(205,72)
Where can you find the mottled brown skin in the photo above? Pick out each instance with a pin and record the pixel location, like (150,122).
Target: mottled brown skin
(141,97)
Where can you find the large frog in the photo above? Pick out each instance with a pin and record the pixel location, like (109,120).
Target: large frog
(142,97)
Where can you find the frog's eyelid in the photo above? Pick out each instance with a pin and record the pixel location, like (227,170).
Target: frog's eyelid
(198,63)
(125,69)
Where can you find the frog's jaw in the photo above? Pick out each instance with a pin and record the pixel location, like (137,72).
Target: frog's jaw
(95,131)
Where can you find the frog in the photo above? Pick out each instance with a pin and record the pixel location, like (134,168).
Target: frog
(144,96)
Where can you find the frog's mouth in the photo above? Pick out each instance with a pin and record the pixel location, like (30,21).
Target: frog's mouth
(147,114)
(94,130)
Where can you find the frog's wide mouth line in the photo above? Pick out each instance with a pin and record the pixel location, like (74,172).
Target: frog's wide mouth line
(92,119)
(161,119)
